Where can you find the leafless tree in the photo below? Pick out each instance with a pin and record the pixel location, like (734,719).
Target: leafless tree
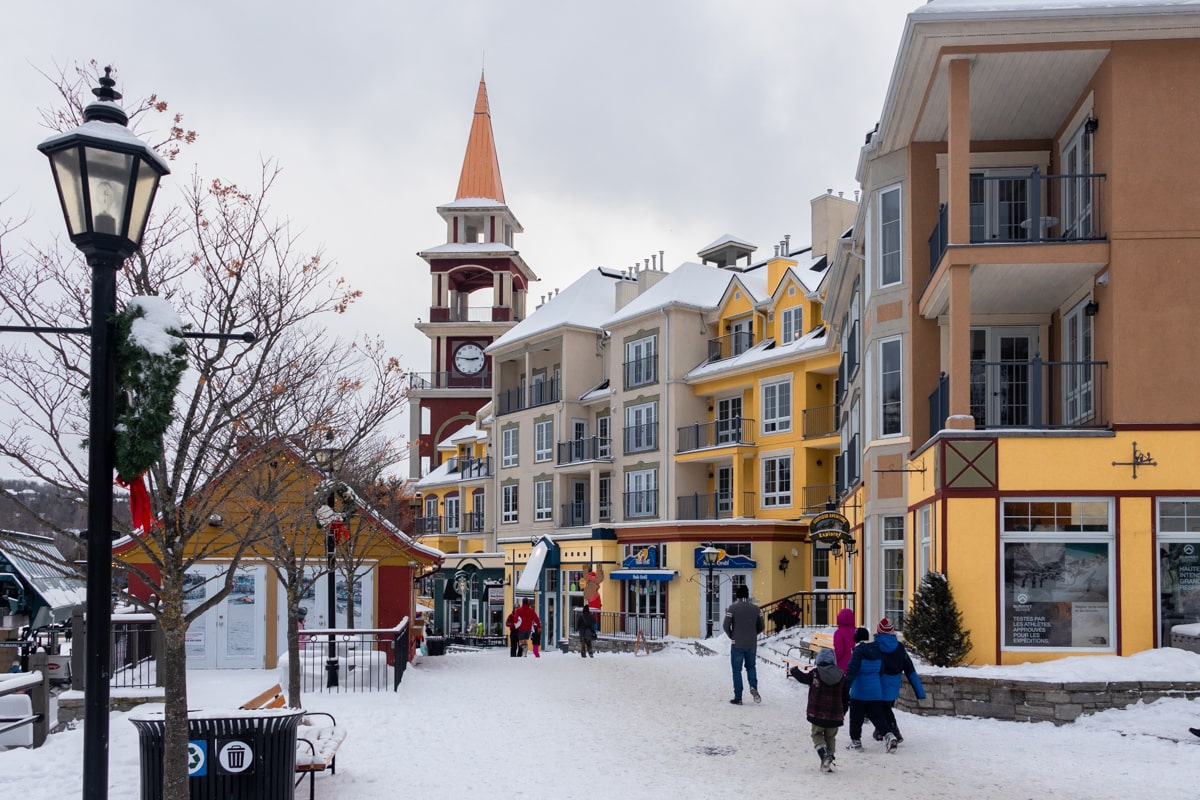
(226,264)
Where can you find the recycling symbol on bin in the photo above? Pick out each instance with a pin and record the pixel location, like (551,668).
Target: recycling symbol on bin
(235,756)
(197,760)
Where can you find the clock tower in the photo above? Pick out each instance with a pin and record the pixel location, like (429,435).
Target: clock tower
(479,287)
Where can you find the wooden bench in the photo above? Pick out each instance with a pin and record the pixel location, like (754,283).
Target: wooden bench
(316,743)
(815,643)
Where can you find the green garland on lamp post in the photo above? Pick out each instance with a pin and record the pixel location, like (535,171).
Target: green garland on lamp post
(147,382)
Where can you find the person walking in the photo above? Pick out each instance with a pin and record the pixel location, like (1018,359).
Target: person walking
(526,619)
(743,623)
(874,675)
(843,638)
(513,642)
(856,708)
(535,638)
(825,709)
(587,632)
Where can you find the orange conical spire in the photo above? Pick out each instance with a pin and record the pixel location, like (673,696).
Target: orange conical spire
(481,169)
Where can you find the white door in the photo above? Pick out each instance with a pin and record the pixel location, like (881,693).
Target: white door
(723,583)
(231,634)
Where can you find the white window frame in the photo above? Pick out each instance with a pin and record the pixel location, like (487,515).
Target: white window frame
(897,371)
(776,415)
(509,447)
(642,419)
(643,485)
(777,475)
(888,225)
(641,361)
(925,537)
(509,503)
(791,324)
(543,500)
(893,573)
(1177,531)
(1076,522)
(1079,391)
(453,507)
(604,436)
(543,440)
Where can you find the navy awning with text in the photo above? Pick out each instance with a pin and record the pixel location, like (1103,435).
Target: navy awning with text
(643,574)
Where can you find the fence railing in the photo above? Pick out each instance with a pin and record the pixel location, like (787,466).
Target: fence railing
(589,449)
(807,609)
(424,381)
(135,645)
(628,624)
(36,684)
(364,659)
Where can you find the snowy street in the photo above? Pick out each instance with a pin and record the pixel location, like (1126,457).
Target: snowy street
(633,727)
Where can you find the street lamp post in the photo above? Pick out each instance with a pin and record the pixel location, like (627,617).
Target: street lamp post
(329,459)
(106,179)
(710,554)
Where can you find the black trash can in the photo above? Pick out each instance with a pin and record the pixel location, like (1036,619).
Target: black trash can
(250,757)
(435,645)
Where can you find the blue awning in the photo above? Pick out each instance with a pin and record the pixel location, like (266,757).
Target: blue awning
(643,574)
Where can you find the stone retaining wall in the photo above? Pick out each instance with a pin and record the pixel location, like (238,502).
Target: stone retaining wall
(1033,701)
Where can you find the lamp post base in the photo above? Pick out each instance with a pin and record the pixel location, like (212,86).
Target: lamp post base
(331,673)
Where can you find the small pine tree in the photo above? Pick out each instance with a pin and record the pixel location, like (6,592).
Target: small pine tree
(933,626)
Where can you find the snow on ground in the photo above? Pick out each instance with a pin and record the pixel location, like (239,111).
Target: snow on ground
(660,725)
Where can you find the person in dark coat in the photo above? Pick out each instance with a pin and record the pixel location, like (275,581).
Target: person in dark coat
(587,632)
(513,642)
(874,674)
(825,708)
(854,707)
(743,623)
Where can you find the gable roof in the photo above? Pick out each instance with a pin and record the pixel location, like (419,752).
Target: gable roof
(586,303)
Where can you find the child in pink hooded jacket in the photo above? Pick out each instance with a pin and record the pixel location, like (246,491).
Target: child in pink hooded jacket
(843,638)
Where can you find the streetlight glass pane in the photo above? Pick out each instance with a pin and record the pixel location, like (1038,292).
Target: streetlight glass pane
(109,177)
(143,197)
(65,164)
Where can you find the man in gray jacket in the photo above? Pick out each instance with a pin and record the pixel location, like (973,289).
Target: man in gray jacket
(743,623)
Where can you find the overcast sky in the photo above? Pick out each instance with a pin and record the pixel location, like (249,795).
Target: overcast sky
(623,128)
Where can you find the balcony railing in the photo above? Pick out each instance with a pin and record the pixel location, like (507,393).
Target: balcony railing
(642,504)
(1033,208)
(711,505)
(421,381)
(540,393)
(427,526)
(1028,394)
(639,438)
(641,371)
(721,433)
(628,625)
(820,421)
(805,609)
(590,449)
(817,495)
(574,515)
(473,522)
(471,467)
(730,345)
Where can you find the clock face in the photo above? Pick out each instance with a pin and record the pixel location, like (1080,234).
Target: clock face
(469,359)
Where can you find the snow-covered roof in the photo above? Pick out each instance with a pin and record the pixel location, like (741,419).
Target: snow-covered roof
(725,240)
(43,567)
(468,432)
(105,132)
(694,285)
(586,303)
(472,202)
(469,249)
(444,473)
(810,343)
(811,272)
(1049,7)
(597,392)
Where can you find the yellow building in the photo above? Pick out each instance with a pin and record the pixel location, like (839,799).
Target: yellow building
(1016,310)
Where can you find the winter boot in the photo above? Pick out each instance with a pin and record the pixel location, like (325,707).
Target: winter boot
(855,744)
(1194,731)
(889,742)
(826,759)
(754,693)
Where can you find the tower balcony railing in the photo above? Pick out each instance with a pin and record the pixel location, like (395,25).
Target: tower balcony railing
(426,381)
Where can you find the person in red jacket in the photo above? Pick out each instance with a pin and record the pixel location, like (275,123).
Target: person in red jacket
(525,618)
